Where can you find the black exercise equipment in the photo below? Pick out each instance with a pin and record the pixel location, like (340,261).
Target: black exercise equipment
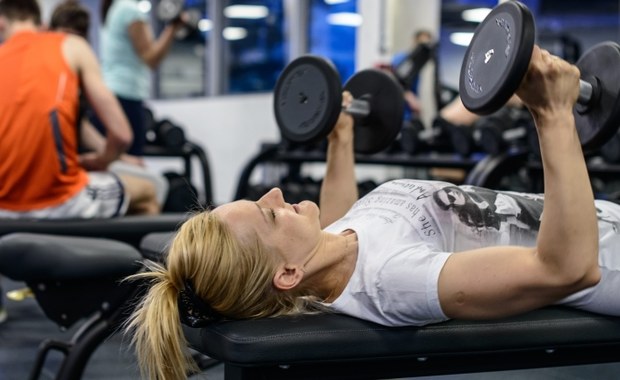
(308,101)
(74,281)
(128,229)
(187,152)
(169,10)
(502,171)
(498,58)
(409,68)
(610,151)
(167,134)
(64,271)
(190,23)
(182,194)
(462,137)
(505,129)
(416,138)
(334,346)
(561,44)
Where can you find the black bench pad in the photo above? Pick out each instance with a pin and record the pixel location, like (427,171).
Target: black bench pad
(154,245)
(130,229)
(333,337)
(331,346)
(40,257)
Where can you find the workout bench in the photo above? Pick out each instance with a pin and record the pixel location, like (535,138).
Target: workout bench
(74,280)
(332,346)
(77,277)
(129,229)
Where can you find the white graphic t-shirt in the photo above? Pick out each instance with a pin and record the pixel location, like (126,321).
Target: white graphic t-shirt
(407,229)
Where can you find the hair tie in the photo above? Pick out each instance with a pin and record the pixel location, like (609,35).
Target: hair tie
(193,311)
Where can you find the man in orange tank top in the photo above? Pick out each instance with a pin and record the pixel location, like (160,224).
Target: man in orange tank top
(41,173)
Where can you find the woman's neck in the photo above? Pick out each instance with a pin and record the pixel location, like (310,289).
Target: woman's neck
(330,269)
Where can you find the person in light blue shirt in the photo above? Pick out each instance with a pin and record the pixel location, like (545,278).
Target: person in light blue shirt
(129,51)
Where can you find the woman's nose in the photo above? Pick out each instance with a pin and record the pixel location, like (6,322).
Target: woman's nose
(274,197)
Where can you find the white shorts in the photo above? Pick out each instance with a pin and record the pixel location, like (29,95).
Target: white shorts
(158,180)
(103,197)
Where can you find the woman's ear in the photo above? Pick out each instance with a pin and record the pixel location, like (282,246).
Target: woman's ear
(287,277)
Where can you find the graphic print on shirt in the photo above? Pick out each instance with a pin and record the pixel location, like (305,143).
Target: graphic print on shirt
(398,201)
(481,208)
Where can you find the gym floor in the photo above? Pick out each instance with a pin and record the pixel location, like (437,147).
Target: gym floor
(27,326)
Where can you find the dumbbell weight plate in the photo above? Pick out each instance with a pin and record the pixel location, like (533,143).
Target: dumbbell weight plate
(463,140)
(410,137)
(168,10)
(307,99)
(599,123)
(491,140)
(376,131)
(497,58)
(169,134)
(190,23)
(611,150)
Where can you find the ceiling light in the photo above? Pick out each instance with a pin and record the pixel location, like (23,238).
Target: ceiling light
(204,25)
(246,11)
(345,19)
(233,33)
(461,38)
(476,14)
(332,2)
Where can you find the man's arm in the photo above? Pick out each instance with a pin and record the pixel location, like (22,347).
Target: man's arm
(93,140)
(81,58)
(502,281)
(339,188)
(90,138)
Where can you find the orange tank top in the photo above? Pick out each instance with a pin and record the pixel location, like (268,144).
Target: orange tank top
(38,141)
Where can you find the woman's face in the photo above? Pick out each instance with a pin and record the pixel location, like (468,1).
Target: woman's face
(291,230)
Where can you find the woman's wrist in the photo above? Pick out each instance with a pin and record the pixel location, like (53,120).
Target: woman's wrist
(340,139)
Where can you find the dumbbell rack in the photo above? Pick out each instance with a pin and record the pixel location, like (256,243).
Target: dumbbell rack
(187,151)
(598,169)
(277,153)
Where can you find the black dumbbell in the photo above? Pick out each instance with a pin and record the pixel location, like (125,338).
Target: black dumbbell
(308,101)
(168,134)
(169,10)
(190,23)
(498,58)
(416,138)
(463,138)
(610,151)
(502,130)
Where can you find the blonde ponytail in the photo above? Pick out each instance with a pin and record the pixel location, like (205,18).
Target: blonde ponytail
(215,276)
(160,345)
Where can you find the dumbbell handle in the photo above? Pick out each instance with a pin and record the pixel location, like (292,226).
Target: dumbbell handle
(585,92)
(588,94)
(358,107)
